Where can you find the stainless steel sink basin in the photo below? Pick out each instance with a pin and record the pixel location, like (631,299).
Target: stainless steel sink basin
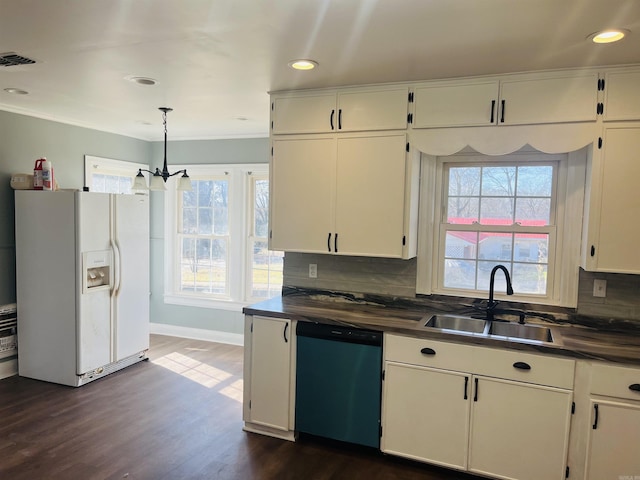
(458,323)
(525,332)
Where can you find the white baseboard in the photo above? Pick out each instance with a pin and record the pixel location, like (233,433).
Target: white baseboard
(8,368)
(197,334)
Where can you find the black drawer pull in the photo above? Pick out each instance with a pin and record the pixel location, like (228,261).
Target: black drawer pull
(284,334)
(522,366)
(333,112)
(595,420)
(466,383)
(428,351)
(502,112)
(635,387)
(475,394)
(329,242)
(493,109)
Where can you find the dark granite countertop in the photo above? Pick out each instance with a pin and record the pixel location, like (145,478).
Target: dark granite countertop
(403,316)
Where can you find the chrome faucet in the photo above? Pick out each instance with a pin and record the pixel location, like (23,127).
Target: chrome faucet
(492,303)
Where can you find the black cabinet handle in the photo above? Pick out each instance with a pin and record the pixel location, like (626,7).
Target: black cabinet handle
(284,334)
(335,243)
(635,387)
(428,351)
(340,119)
(466,383)
(595,420)
(593,250)
(475,394)
(329,242)
(493,109)
(333,112)
(522,366)
(502,112)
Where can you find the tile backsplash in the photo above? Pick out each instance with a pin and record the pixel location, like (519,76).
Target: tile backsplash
(385,276)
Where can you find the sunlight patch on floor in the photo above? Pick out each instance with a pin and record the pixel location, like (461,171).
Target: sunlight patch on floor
(201,373)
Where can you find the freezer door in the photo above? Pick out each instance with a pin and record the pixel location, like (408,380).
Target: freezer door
(131,287)
(94,319)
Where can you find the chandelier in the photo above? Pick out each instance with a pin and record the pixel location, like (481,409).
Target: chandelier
(159,178)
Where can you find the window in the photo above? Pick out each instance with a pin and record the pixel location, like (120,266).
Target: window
(108,175)
(216,238)
(498,214)
(521,210)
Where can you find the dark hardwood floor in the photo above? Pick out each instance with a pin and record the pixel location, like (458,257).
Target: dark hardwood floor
(178,416)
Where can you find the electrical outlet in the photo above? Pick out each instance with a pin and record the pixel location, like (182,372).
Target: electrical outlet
(599,287)
(313,270)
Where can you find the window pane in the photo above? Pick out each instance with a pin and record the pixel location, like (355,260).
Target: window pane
(484,276)
(205,193)
(464,181)
(97,183)
(531,248)
(221,207)
(111,184)
(261,208)
(460,274)
(530,278)
(189,220)
(533,211)
(461,244)
(535,181)
(496,211)
(205,222)
(495,246)
(189,197)
(498,181)
(188,265)
(463,210)
(266,271)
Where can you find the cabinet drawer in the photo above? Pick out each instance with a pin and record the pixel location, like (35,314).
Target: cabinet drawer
(614,381)
(428,353)
(524,367)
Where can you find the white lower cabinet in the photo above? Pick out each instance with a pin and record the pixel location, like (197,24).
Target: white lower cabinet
(614,436)
(485,415)
(519,430)
(426,414)
(269,376)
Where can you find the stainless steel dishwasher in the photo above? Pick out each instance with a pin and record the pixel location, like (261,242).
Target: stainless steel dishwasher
(338,383)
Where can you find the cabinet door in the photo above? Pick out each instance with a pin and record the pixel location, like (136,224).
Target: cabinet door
(370,195)
(622,96)
(304,114)
(519,430)
(548,100)
(270,372)
(302,186)
(617,246)
(425,414)
(613,443)
(456,105)
(375,110)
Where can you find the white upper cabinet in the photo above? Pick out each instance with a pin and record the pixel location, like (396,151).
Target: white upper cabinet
(613,227)
(351,195)
(352,110)
(455,105)
(569,98)
(622,95)
(510,100)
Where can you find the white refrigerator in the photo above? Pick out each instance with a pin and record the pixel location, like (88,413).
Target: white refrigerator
(82,281)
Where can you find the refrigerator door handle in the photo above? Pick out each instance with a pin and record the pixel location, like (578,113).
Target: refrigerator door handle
(116,269)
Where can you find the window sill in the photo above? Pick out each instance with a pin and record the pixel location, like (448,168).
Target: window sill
(188,301)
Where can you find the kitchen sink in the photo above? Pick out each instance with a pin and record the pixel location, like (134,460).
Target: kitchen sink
(518,330)
(458,323)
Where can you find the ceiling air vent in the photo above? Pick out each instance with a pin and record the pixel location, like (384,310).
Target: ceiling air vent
(12,59)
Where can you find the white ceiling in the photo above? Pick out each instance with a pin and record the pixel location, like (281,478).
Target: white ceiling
(215,60)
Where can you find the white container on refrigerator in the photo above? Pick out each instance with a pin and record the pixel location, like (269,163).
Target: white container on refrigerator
(82,274)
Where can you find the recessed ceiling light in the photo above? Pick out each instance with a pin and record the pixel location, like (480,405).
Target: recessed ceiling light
(145,81)
(303,64)
(608,36)
(16,91)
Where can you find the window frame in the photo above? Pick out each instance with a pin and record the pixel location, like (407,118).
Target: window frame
(238,265)
(562,287)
